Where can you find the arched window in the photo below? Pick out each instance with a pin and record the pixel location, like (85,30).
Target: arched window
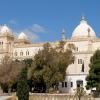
(79,61)
(1,43)
(71,84)
(62,84)
(27,52)
(65,84)
(21,53)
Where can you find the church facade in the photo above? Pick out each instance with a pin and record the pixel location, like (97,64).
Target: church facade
(84,39)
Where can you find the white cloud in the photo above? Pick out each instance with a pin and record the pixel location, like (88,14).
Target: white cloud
(37,28)
(32,32)
(32,36)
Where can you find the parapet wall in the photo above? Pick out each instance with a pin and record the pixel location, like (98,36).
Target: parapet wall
(37,96)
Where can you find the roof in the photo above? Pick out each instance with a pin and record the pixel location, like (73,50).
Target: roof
(83,30)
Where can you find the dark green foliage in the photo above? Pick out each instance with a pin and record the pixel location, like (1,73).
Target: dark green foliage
(49,65)
(93,79)
(22,86)
(4,87)
(28,62)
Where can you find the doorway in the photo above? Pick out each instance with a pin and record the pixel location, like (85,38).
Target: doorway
(79,83)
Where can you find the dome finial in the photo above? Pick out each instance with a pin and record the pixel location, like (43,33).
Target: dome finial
(83,17)
(5,24)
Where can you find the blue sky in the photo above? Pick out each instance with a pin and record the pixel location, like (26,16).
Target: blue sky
(43,20)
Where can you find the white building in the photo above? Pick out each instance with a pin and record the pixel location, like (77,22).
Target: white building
(83,37)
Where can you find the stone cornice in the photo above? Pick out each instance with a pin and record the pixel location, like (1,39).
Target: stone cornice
(77,74)
(83,39)
(6,35)
(84,52)
(29,45)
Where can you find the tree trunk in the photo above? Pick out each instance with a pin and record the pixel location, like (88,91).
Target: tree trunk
(79,98)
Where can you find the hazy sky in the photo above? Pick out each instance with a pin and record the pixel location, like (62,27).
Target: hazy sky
(43,20)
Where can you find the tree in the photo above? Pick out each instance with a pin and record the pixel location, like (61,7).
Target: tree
(80,92)
(93,79)
(9,71)
(28,64)
(49,65)
(22,85)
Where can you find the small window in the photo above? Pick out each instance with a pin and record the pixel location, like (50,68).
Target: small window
(65,84)
(71,84)
(79,61)
(62,84)
(27,52)
(21,53)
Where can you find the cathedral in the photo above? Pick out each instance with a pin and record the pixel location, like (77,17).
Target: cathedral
(83,37)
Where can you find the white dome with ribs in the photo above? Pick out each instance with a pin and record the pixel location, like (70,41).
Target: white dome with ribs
(83,30)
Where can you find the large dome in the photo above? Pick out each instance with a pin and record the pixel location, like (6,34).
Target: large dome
(83,30)
(22,36)
(5,30)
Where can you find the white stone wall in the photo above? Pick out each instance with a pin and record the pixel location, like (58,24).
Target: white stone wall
(76,68)
(96,45)
(73,78)
(32,51)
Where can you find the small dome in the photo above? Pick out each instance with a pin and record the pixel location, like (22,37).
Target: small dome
(22,36)
(83,30)
(5,29)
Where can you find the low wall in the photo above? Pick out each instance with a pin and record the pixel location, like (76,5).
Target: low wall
(37,96)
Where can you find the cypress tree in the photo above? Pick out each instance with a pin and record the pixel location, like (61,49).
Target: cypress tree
(22,86)
(93,79)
